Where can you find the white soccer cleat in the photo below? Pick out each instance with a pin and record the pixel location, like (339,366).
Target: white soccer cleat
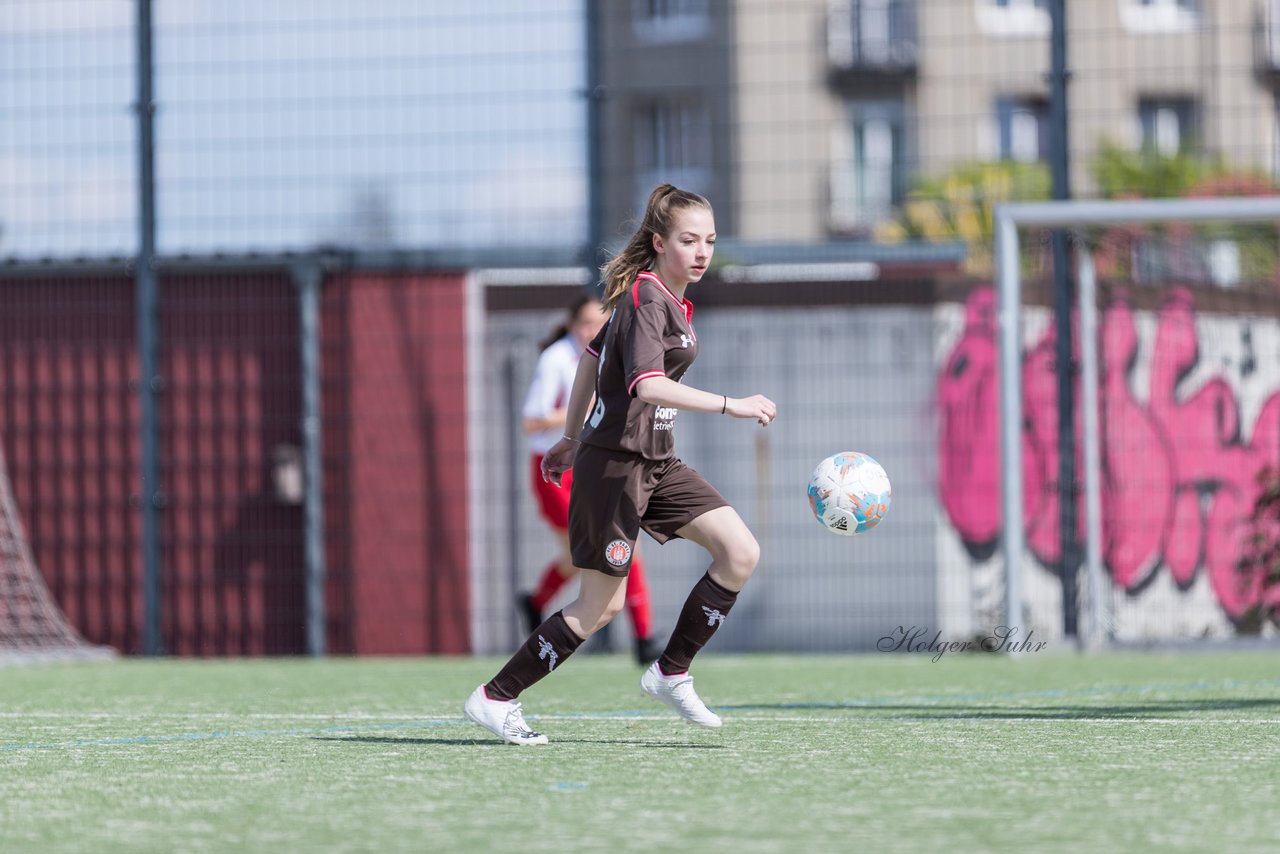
(677,692)
(503,718)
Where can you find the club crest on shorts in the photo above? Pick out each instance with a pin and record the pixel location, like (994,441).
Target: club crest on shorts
(617,552)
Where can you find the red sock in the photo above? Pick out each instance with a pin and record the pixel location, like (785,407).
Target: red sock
(638,600)
(548,586)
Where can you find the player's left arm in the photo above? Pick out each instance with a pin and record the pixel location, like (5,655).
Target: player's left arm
(559,458)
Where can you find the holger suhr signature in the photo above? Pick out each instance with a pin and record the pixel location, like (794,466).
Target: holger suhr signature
(916,639)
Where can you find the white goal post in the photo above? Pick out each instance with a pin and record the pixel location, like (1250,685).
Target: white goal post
(1009,217)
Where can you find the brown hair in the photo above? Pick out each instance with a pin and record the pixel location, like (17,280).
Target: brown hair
(562,328)
(659,215)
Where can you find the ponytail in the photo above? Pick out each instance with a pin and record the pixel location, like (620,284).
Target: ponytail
(638,255)
(562,328)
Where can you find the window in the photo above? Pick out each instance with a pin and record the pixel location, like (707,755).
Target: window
(1013,17)
(1158,16)
(1022,128)
(673,144)
(1275,138)
(869,174)
(1268,35)
(674,135)
(1168,125)
(671,20)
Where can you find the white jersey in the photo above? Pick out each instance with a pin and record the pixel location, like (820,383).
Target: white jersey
(552,384)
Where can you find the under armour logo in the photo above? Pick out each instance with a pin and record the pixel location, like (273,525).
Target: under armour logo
(713,616)
(685,341)
(545,651)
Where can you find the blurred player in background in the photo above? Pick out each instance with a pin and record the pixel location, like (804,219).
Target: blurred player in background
(627,476)
(544,422)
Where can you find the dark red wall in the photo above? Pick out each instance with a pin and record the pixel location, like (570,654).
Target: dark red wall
(232,554)
(396,455)
(69,433)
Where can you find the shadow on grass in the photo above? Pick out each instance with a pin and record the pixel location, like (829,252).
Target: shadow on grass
(489,742)
(994,711)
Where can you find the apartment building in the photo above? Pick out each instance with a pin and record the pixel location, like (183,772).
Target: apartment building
(810,119)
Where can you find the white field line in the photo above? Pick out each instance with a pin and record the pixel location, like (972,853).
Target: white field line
(283,716)
(866,705)
(897,719)
(856,716)
(625,718)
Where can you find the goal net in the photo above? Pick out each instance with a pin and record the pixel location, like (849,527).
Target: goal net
(32,626)
(1176,367)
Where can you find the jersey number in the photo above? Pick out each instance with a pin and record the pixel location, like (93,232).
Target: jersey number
(597,414)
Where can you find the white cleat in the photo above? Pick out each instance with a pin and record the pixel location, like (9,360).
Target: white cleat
(677,692)
(503,718)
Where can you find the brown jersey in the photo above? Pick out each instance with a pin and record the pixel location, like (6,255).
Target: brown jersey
(650,334)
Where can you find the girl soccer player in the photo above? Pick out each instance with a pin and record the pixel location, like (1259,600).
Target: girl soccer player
(626,476)
(543,421)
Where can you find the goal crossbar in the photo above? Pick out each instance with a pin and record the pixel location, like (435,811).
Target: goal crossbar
(1008,218)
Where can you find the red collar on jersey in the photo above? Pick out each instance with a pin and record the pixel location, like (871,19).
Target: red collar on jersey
(683,303)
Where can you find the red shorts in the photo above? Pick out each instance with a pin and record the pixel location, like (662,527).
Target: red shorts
(553,500)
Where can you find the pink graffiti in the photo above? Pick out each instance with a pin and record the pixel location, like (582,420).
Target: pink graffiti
(1178,480)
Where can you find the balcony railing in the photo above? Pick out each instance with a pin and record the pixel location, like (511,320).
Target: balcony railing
(872,36)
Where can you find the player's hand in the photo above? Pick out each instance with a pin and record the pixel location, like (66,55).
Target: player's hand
(559,460)
(759,407)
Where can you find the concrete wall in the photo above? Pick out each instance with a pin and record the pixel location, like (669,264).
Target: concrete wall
(843,380)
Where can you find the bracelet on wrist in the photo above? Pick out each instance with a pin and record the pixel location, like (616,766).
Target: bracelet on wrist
(725,405)
(571,439)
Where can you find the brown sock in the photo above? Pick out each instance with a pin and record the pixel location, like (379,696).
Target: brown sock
(703,612)
(545,650)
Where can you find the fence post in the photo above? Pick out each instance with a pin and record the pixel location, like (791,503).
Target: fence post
(1096,580)
(1009,290)
(307,278)
(149,381)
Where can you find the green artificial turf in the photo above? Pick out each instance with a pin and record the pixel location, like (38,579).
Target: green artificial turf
(868,753)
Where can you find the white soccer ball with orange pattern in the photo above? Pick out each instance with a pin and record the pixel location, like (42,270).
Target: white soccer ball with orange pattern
(849,493)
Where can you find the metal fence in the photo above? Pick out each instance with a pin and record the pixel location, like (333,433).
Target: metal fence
(398,150)
(290,125)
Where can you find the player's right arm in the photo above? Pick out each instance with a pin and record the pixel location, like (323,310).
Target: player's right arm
(584,388)
(559,459)
(540,411)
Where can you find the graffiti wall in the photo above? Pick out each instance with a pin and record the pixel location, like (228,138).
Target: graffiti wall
(1189,402)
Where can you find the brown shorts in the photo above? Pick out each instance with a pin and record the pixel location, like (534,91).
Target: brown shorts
(616,493)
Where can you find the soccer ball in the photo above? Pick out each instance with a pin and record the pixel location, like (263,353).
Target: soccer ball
(849,493)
